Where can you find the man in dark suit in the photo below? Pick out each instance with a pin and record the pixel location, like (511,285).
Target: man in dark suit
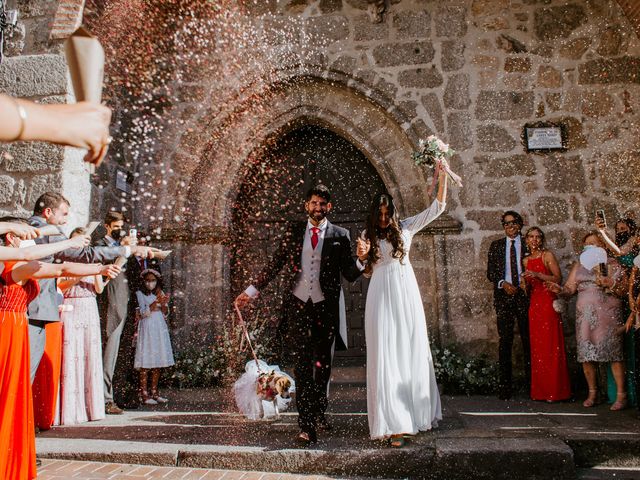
(504,269)
(113,304)
(314,254)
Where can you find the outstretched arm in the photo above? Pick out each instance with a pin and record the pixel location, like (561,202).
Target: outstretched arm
(22,230)
(278,260)
(348,266)
(42,250)
(84,125)
(39,270)
(418,222)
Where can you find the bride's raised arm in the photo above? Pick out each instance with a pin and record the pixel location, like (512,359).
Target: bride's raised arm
(418,222)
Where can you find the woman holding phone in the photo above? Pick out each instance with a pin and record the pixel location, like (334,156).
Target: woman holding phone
(599,319)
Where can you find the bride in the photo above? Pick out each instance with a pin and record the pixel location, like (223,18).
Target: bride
(402,395)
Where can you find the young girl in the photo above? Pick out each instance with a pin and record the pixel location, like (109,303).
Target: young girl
(153,345)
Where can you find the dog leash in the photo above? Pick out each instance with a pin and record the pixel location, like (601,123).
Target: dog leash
(245,335)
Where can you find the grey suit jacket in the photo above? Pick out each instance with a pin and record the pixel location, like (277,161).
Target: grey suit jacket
(45,306)
(114,300)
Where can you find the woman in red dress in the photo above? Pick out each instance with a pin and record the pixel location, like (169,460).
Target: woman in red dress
(549,371)
(19,287)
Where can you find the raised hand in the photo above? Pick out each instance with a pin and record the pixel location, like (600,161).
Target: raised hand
(111,271)
(142,252)
(363,247)
(21,230)
(79,241)
(87,126)
(243,300)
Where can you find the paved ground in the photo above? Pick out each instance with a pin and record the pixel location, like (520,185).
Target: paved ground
(77,470)
(479,437)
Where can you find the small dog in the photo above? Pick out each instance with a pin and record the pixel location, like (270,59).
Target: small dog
(263,392)
(269,387)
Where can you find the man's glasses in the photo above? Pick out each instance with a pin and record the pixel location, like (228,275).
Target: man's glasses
(510,223)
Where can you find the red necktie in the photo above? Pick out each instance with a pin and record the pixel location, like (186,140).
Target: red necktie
(142,264)
(314,237)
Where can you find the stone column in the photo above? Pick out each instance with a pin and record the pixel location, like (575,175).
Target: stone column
(29,169)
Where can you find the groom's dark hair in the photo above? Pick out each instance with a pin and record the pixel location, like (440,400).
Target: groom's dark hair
(320,190)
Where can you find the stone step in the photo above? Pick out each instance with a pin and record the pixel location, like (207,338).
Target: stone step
(445,458)
(349,375)
(479,438)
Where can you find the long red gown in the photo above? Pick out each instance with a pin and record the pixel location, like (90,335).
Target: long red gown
(549,371)
(17,433)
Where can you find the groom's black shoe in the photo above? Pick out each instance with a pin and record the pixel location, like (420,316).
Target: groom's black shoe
(322,424)
(307,438)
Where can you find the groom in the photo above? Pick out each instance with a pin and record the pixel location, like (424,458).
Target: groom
(313,253)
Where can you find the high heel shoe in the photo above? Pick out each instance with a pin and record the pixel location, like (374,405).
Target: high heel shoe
(591,399)
(620,403)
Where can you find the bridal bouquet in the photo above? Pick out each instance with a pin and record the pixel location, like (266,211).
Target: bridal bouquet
(434,153)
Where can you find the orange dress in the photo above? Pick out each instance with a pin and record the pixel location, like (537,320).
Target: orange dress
(17,435)
(47,382)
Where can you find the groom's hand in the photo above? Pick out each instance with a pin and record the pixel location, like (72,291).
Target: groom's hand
(362,249)
(243,300)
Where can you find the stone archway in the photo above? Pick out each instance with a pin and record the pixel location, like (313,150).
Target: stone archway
(272,194)
(215,182)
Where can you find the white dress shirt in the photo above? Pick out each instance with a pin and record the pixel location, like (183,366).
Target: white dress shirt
(507,259)
(307,282)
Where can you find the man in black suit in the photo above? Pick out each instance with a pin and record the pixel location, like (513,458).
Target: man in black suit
(117,333)
(504,269)
(314,254)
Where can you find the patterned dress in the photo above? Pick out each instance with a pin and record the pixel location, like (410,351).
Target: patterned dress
(81,382)
(598,318)
(17,431)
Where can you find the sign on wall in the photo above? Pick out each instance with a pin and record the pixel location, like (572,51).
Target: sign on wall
(542,137)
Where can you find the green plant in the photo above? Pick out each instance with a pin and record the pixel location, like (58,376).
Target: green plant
(223,361)
(460,374)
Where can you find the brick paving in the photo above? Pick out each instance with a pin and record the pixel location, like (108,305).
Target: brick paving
(79,470)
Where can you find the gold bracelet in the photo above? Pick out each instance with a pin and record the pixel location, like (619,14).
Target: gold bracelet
(22,113)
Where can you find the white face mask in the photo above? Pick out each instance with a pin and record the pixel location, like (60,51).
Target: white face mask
(151,285)
(27,243)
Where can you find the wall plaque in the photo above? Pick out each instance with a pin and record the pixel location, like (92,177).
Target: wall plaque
(544,137)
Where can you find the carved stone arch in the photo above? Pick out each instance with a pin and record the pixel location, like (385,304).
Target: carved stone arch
(334,106)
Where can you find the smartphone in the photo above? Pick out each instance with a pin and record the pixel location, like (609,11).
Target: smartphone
(604,270)
(600,215)
(133,236)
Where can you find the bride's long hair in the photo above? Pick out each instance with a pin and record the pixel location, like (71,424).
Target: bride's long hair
(392,233)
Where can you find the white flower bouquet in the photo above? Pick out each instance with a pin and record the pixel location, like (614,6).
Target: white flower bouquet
(434,153)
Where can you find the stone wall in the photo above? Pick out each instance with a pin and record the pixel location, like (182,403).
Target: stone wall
(470,71)
(35,69)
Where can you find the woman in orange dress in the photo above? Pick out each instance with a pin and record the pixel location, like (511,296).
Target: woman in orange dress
(19,287)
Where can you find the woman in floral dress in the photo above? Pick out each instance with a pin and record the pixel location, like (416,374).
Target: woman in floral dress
(599,317)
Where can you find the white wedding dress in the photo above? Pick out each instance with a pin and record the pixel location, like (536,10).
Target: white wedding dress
(402,394)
